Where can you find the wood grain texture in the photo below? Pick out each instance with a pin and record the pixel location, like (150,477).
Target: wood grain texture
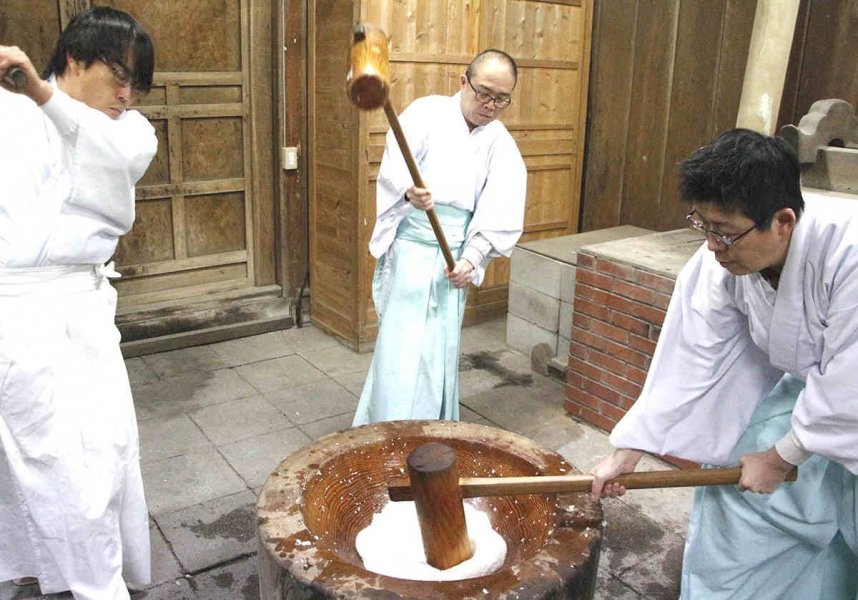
(666,77)
(33,26)
(822,64)
(614,26)
(477,487)
(431,43)
(434,477)
(203,35)
(293,235)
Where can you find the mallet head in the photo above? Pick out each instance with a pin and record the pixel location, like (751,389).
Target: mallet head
(368,80)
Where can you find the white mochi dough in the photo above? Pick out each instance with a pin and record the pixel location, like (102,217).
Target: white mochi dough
(392,545)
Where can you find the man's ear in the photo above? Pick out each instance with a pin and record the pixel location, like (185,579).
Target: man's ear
(73,66)
(785,220)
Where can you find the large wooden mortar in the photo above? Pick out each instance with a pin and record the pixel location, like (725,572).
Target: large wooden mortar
(319,498)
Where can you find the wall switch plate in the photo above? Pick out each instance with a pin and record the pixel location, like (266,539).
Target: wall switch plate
(289,158)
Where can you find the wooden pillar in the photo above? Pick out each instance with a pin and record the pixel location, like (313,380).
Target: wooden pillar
(768,57)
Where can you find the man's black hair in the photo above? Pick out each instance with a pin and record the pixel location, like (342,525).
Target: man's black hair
(746,172)
(492,54)
(107,35)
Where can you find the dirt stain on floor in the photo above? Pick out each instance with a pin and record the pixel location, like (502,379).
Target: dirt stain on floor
(238,524)
(490,362)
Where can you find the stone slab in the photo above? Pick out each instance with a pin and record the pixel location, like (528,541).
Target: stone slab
(166,437)
(189,479)
(279,373)
(213,532)
(239,419)
(661,253)
(165,567)
(175,396)
(234,581)
(254,458)
(565,248)
(314,401)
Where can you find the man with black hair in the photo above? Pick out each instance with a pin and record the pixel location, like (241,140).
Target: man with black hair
(72,510)
(757,365)
(477,179)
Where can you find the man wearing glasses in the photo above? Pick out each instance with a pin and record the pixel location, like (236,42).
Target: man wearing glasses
(476,183)
(72,510)
(757,365)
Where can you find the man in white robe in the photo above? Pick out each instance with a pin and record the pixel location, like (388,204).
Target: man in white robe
(72,510)
(477,179)
(757,364)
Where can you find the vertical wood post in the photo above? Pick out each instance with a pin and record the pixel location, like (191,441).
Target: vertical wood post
(765,72)
(435,488)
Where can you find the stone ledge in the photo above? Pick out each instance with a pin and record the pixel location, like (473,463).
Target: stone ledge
(660,253)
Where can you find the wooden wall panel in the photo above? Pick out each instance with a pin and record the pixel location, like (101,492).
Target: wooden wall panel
(614,28)
(209,31)
(691,94)
(431,44)
(212,148)
(334,203)
(215,223)
(666,77)
(32,25)
(146,243)
(214,167)
(822,62)
(655,45)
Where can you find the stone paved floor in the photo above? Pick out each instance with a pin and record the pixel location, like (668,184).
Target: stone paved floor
(215,420)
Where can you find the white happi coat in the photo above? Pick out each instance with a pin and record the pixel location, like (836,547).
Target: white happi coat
(72,511)
(480,171)
(727,340)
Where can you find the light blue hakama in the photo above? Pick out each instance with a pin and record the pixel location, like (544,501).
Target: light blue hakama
(414,371)
(789,545)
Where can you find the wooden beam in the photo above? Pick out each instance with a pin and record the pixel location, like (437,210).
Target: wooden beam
(768,58)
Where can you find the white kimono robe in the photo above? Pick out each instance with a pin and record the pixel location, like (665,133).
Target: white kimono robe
(478,182)
(72,511)
(725,343)
(480,171)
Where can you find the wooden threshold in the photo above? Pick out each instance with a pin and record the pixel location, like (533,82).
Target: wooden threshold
(214,318)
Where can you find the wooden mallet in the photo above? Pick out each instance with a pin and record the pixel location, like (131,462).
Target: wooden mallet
(473,487)
(368,86)
(437,492)
(437,496)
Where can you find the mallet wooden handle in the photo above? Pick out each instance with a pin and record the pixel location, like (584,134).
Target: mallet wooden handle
(473,487)
(368,86)
(15,78)
(418,181)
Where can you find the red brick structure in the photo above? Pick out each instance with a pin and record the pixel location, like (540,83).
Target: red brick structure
(618,312)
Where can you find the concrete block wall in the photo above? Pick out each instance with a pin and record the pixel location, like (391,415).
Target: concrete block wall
(542,288)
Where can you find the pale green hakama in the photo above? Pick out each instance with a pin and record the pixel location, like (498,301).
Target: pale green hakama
(785,545)
(414,371)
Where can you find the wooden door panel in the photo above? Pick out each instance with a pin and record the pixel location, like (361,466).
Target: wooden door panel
(431,44)
(196,36)
(195,204)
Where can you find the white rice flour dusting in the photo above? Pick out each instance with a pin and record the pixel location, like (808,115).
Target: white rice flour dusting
(391,545)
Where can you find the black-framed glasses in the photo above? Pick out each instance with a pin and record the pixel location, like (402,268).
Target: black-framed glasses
(121,74)
(721,238)
(484,98)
